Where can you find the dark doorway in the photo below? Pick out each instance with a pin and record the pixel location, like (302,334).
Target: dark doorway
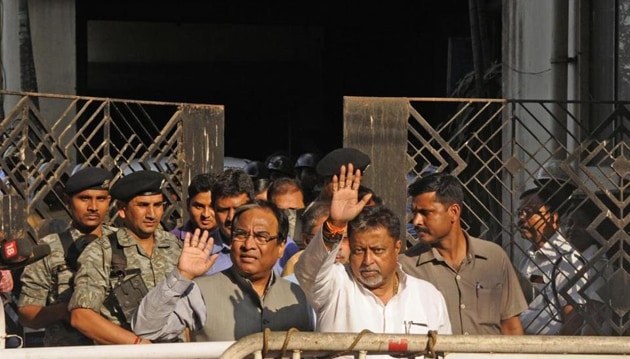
(281,69)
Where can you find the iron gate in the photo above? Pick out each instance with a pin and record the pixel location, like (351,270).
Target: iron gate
(46,138)
(500,148)
(497,148)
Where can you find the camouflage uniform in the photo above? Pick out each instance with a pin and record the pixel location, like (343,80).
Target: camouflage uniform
(93,282)
(49,281)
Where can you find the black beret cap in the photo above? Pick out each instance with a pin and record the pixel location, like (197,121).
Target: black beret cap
(139,183)
(329,165)
(88,178)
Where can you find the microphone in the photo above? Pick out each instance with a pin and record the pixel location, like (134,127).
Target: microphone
(18,253)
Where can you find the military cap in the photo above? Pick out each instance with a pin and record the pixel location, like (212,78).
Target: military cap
(139,183)
(329,165)
(88,178)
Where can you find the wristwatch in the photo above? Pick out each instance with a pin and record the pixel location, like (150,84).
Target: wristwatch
(332,238)
(331,233)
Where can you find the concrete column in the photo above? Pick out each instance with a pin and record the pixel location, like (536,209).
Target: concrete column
(10,56)
(53,36)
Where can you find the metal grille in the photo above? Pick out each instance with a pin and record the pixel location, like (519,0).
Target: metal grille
(500,148)
(46,138)
(497,148)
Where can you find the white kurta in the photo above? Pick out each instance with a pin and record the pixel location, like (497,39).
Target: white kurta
(344,305)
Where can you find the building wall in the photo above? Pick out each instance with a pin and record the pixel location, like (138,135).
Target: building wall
(53,32)
(53,38)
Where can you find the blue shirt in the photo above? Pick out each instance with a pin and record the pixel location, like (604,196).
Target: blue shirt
(290,248)
(224,261)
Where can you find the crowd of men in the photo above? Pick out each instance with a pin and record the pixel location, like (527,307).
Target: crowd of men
(301,245)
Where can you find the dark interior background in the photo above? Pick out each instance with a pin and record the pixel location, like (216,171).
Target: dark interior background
(282,68)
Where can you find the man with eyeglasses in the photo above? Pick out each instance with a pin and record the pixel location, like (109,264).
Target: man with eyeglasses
(550,266)
(140,255)
(244,299)
(475,276)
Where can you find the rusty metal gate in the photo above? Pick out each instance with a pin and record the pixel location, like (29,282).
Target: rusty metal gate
(46,138)
(497,148)
(500,148)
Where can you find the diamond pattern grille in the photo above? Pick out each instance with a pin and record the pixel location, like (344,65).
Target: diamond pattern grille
(500,148)
(497,149)
(41,149)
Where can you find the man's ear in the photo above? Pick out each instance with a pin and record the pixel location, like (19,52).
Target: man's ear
(121,207)
(398,246)
(281,247)
(455,210)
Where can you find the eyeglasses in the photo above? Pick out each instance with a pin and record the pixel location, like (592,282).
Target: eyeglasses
(262,238)
(528,212)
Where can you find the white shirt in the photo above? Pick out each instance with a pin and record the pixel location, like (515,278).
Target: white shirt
(344,305)
(600,272)
(557,262)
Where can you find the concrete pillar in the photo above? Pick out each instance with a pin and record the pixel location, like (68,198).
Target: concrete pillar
(10,56)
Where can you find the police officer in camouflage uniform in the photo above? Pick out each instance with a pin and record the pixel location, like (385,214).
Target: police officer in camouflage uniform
(149,253)
(47,284)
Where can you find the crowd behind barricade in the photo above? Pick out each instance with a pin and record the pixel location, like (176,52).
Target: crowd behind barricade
(282,244)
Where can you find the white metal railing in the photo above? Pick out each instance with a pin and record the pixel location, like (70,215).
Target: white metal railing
(294,344)
(207,350)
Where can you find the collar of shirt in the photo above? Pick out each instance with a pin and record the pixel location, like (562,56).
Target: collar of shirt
(246,283)
(126,239)
(434,254)
(540,261)
(219,245)
(554,247)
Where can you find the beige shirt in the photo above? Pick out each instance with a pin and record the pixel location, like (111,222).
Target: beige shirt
(483,292)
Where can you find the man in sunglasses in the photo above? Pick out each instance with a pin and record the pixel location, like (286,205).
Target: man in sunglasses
(550,266)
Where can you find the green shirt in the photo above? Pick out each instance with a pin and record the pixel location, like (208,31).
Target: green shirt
(93,282)
(50,281)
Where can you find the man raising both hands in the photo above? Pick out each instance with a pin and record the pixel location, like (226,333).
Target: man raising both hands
(372,282)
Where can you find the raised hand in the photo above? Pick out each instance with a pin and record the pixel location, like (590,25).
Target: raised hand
(345,203)
(195,259)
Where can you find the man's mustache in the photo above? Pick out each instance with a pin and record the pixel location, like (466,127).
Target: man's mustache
(421,230)
(370,269)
